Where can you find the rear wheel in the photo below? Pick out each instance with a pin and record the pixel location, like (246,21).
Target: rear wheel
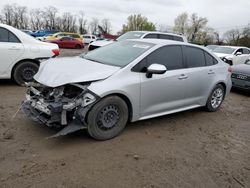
(107,118)
(24,72)
(215,99)
(78,46)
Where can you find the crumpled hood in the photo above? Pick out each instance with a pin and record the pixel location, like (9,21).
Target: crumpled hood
(60,71)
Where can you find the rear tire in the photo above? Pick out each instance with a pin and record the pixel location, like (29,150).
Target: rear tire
(107,118)
(78,46)
(24,72)
(216,98)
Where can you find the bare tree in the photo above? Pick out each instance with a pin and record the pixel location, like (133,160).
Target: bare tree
(82,23)
(181,24)
(50,17)
(36,19)
(93,26)
(8,14)
(197,24)
(106,25)
(232,36)
(68,22)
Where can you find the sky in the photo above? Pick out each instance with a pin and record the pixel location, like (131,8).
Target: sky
(221,14)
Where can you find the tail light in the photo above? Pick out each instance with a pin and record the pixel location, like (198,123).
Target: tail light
(230,69)
(56,52)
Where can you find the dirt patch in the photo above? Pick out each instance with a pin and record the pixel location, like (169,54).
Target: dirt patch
(187,149)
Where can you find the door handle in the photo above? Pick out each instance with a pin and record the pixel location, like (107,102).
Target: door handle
(210,72)
(14,48)
(183,77)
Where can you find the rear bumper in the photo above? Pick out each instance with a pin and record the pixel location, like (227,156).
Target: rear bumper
(241,84)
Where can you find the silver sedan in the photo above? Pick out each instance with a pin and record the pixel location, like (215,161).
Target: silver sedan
(125,81)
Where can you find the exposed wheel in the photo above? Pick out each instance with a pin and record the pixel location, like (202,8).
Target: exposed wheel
(107,118)
(215,99)
(24,72)
(78,46)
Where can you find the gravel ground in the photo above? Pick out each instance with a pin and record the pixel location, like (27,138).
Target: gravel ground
(188,149)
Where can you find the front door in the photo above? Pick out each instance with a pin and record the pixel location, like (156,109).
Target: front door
(166,92)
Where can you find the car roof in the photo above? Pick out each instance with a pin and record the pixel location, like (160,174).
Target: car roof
(163,42)
(158,32)
(234,47)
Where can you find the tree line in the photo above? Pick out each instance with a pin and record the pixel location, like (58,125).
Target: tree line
(194,27)
(197,31)
(50,18)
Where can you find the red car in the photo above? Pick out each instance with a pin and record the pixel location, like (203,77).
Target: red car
(68,42)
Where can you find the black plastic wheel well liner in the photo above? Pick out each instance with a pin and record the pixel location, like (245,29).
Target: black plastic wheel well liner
(21,61)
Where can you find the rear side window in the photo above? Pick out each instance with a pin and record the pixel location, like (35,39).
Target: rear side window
(151,36)
(246,51)
(167,37)
(170,56)
(194,57)
(7,36)
(209,59)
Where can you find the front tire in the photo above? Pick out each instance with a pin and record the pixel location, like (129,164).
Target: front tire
(216,98)
(24,72)
(107,118)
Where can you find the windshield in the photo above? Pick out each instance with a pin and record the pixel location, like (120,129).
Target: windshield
(130,35)
(224,50)
(212,47)
(119,53)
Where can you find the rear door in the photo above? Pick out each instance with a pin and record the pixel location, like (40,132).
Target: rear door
(11,49)
(201,74)
(166,92)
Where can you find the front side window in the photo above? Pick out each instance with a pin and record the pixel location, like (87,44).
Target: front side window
(194,57)
(119,53)
(169,56)
(7,36)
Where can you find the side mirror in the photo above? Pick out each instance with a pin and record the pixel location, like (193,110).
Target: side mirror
(238,53)
(155,69)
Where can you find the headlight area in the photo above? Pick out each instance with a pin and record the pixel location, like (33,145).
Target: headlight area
(64,106)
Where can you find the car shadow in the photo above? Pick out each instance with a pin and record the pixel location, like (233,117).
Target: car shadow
(240,91)
(7,82)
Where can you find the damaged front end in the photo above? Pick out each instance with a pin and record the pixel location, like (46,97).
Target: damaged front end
(62,107)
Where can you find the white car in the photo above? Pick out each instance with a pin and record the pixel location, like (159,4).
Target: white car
(232,55)
(89,38)
(21,54)
(139,35)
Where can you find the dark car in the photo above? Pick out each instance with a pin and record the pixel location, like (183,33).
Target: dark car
(68,42)
(241,76)
(41,33)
